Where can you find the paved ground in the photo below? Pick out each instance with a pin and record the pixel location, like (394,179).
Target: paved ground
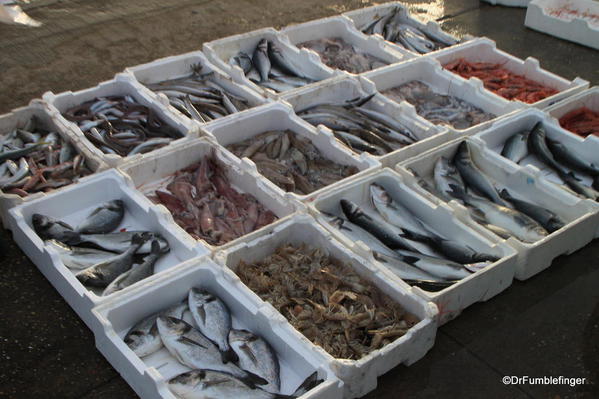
(547,326)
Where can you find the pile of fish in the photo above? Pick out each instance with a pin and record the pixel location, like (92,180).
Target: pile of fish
(204,204)
(556,156)
(360,128)
(582,121)
(327,301)
(394,28)
(104,260)
(501,81)
(336,53)
(199,97)
(34,159)
(267,67)
(497,210)
(119,125)
(291,161)
(224,362)
(400,240)
(438,108)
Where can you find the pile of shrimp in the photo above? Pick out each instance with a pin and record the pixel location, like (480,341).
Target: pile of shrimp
(582,121)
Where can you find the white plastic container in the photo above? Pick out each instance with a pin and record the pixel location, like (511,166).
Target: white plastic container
(155,171)
(343,28)
(338,90)
(509,3)
(363,17)
(179,66)
(438,217)
(430,72)
(359,376)
(485,50)
(278,116)
(72,205)
(148,376)
(220,51)
(588,98)
(121,85)
(18,118)
(581,218)
(572,28)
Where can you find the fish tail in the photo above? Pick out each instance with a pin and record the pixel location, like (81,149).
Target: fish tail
(252,380)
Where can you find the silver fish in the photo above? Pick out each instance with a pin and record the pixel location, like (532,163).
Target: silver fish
(260,59)
(116,242)
(516,148)
(404,270)
(393,212)
(143,338)
(447,179)
(257,356)
(357,233)
(78,257)
(537,144)
(573,182)
(562,153)
(103,219)
(549,220)
(441,268)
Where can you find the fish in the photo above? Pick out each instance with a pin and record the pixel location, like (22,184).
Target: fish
(103,219)
(516,147)
(357,233)
(549,220)
(473,176)
(102,274)
(441,268)
(447,179)
(261,61)
(537,144)
(404,270)
(143,338)
(78,257)
(21,152)
(256,356)
(136,273)
(310,382)
(565,155)
(388,236)
(213,319)
(203,383)
(191,348)
(393,212)
(117,242)
(573,182)
(48,228)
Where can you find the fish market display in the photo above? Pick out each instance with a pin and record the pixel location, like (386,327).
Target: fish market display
(33,159)
(290,161)
(582,121)
(270,69)
(327,301)
(204,204)
(360,128)
(438,108)
(395,28)
(501,81)
(223,361)
(115,261)
(119,125)
(559,158)
(199,97)
(336,53)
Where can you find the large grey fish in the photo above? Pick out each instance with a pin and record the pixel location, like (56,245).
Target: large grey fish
(358,234)
(378,228)
(537,144)
(143,338)
(103,219)
(516,148)
(393,212)
(48,228)
(192,349)
(549,220)
(212,318)
(404,270)
(573,182)
(78,257)
(260,59)
(136,273)
(104,273)
(205,384)
(442,268)
(256,356)
(562,153)
(118,242)
(447,179)
(473,176)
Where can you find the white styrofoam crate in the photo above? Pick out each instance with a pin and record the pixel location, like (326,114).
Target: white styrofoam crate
(485,50)
(363,17)
(344,88)
(576,29)
(74,204)
(588,98)
(438,217)
(121,85)
(18,118)
(428,71)
(220,51)
(179,66)
(154,172)
(359,376)
(342,27)
(279,116)
(580,216)
(148,376)
(509,3)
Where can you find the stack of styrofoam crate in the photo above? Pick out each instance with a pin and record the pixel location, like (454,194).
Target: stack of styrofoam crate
(195,263)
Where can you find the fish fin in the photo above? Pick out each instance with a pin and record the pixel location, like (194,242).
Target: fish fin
(190,341)
(252,380)
(505,194)
(310,382)
(414,236)
(155,247)
(246,349)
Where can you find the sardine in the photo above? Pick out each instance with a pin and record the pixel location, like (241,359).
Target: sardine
(48,228)
(549,220)
(256,356)
(516,148)
(143,338)
(103,219)
(441,268)
(78,257)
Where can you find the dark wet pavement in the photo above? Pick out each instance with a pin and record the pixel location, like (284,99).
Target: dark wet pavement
(546,326)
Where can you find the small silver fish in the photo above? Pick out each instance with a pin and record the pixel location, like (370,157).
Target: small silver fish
(257,356)
(143,338)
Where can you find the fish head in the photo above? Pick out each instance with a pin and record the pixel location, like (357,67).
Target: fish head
(263,45)
(41,221)
(186,383)
(379,194)
(171,326)
(349,208)
(463,153)
(200,296)
(115,205)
